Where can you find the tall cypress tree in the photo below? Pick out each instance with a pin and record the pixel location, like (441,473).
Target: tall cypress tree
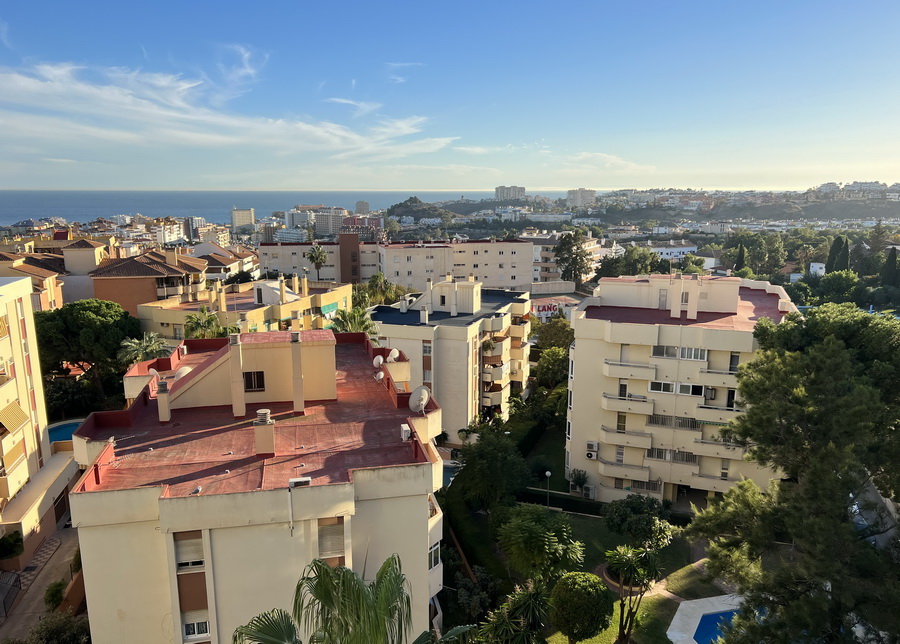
(836,246)
(889,272)
(842,261)
(741,260)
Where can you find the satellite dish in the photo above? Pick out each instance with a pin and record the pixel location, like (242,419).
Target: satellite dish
(419,398)
(393,355)
(152,372)
(377,362)
(379,376)
(181,373)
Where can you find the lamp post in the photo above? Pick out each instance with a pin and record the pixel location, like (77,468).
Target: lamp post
(547,474)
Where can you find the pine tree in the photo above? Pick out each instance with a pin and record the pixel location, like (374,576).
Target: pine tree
(889,272)
(842,261)
(741,260)
(836,246)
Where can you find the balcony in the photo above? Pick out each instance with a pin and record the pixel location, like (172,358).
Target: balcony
(628,438)
(495,324)
(613,369)
(520,331)
(710,413)
(13,478)
(623,471)
(713,483)
(631,403)
(715,378)
(169,291)
(496,374)
(500,348)
(496,397)
(719,449)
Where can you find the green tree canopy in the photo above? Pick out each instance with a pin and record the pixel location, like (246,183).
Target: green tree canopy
(552,366)
(86,333)
(147,347)
(538,543)
(572,258)
(318,258)
(823,400)
(556,332)
(636,570)
(889,271)
(642,519)
(57,628)
(521,619)
(833,253)
(356,320)
(494,470)
(205,324)
(581,606)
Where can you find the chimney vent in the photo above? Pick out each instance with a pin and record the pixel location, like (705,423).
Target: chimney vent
(263,417)
(295,336)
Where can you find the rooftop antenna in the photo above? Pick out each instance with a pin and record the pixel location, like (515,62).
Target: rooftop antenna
(418,399)
(152,372)
(379,376)
(182,372)
(393,355)
(377,362)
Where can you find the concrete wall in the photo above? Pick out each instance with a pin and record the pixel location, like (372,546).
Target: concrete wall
(126,291)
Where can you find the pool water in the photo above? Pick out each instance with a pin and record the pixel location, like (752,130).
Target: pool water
(708,629)
(63,432)
(450,469)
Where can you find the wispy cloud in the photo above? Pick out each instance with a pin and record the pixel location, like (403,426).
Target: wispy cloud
(398,65)
(144,51)
(238,69)
(362,107)
(4,35)
(394,78)
(394,71)
(601,162)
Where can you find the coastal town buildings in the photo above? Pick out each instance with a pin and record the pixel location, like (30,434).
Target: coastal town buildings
(653,380)
(295,303)
(544,266)
(504,193)
(242,217)
(240,461)
(581,198)
(466,343)
(35,474)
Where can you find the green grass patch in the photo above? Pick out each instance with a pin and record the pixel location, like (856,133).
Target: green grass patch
(552,446)
(598,539)
(655,616)
(690,583)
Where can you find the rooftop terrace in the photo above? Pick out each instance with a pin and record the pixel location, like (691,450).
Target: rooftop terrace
(207,447)
(492,301)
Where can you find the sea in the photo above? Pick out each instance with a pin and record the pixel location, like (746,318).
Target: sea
(213,206)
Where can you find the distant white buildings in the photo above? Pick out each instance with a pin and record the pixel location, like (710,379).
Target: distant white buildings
(502,193)
(242,217)
(581,198)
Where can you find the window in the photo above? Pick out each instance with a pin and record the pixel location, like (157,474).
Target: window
(570,399)
(254,381)
(620,422)
(620,454)
(571,368)
(685,457)
(501,252)
(426,348)
(646,486)
(664,351)
(409,258)
(331,537)
(692,353)
(426,375)
(195,628)
(684,298)
(688,389)
(434,555)
(513,253)
(178,331)
(619,484)
(662,387)
(658,454)
(443,300)
(188,550)
(568,431)
(408,273)
(501,265)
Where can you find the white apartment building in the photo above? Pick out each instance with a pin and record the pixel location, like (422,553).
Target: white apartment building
(544,267)
(202,503)
(652,382)
(242,217)
(328,220)
(502,193)
(581,198)
(165,232)
(299,219)
(494,263)
(466,343)
(213,234)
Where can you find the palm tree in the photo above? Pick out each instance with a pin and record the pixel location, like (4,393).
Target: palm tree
(336,606)
(356,320)
(147,347)
(317,257)
(637,569)
(203,324)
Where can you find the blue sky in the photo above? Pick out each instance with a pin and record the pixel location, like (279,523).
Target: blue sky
(463,95)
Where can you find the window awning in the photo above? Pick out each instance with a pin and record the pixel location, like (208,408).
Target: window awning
(328,308)
(13,416)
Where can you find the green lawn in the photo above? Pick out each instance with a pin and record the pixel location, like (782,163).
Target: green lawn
(597,540)
(690,583)
(655,617)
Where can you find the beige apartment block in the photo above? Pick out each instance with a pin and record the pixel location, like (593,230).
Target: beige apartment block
(466,343)
(240,461)
(242,217)
(653,381)
(292,304)
(35,475)
(544,266)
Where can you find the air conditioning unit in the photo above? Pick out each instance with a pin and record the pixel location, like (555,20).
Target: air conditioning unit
(300,481)
(405,432)
(591,456)
(593,446)
(588,492)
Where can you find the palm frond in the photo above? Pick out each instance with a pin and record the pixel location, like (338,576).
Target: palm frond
(272,627)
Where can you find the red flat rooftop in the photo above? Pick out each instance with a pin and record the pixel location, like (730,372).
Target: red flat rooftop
(753,305)
(207,447)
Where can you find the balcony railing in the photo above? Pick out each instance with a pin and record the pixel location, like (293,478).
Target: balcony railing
(719,372)
(706,405)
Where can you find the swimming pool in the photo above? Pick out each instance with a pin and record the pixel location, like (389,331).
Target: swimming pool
(450,469)
(63,431)
(708,629)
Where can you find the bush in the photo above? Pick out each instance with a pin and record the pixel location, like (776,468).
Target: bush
(53,596)
(539,465)
(11,545)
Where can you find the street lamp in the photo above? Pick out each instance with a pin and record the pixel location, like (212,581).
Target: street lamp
(547,474)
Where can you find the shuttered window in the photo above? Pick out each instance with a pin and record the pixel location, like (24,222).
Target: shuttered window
(331,537)
(195,624)
(188,553)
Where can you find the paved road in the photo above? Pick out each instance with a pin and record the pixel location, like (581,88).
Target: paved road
(31,607)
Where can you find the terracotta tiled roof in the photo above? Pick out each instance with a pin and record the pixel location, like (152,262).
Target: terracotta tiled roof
(219,260)
(9,257)
(85,243)
(195,263)
(35,271)
(140,266)
(47,261)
